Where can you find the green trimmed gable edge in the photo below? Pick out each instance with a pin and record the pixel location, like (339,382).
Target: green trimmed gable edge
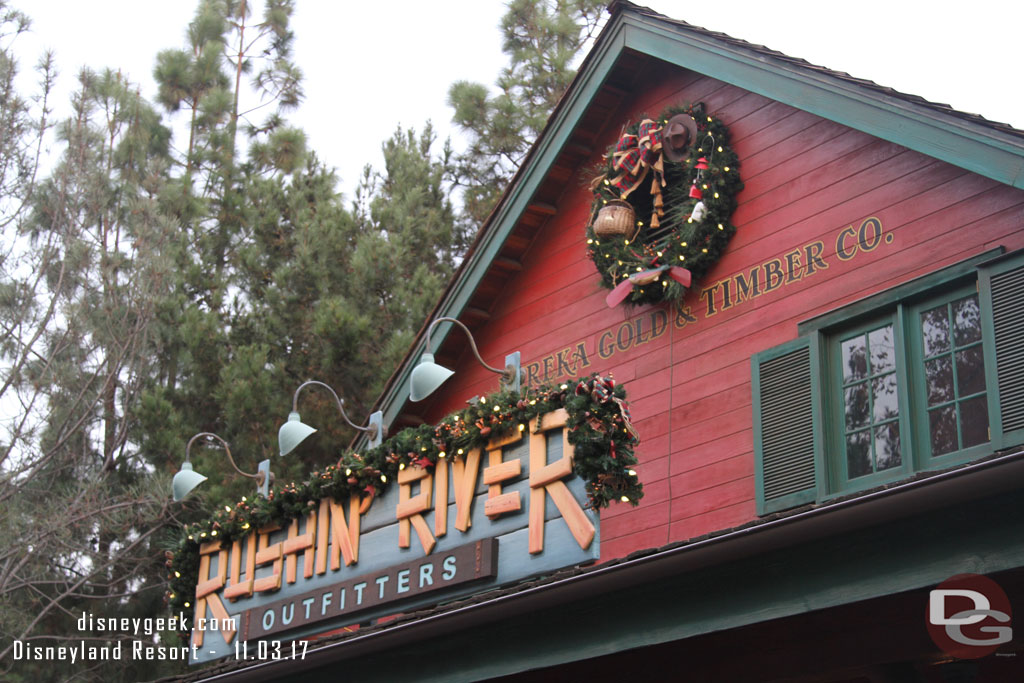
(963,143)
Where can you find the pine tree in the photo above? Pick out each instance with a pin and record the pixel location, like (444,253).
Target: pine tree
(542,38)
(79,508)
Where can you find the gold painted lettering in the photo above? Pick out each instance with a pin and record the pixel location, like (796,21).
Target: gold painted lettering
(708,294)
(748,286)
(841,250)
(870,234)
(605,345)
(773,276)
(581,359)
(794,267)
(814,259)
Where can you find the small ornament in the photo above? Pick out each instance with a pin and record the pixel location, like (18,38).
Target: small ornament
(702,164)
(680,132)
(699,211)
(616,218)
(695,192)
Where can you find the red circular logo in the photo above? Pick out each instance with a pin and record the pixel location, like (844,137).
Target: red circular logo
(968,616)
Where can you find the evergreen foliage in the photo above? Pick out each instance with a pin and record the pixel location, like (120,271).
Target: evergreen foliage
(542,38)
(152,288)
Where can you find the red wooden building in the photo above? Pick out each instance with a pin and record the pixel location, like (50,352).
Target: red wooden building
(831,421)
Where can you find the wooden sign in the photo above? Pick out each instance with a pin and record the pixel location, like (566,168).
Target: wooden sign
(348,598)
(484,517)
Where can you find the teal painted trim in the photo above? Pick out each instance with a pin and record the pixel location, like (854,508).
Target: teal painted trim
(899,556)
(918,394)
(903,312)
(960,142)
(1007,262)
(836,464)
(764,505)
(869,306)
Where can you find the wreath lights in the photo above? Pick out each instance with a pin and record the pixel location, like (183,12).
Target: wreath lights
(682,224)
(599,429)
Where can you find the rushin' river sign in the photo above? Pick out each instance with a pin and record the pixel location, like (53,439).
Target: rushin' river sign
(482,518)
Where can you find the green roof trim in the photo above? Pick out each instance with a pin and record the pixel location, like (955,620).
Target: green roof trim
(966,142)
(972,146)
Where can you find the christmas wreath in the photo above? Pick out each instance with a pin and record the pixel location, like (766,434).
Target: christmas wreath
(599,429)
(662,205)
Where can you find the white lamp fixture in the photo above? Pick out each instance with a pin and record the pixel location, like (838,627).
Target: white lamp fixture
(294,431)
(187,479)
(427,376)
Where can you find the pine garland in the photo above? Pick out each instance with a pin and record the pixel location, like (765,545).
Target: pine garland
(694,245)
(599,429)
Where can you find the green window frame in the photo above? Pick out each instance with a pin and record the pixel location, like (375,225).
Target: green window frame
(915,369)
(951,381)
(867,391)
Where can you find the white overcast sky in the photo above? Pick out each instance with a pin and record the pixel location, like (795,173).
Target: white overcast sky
(370,66)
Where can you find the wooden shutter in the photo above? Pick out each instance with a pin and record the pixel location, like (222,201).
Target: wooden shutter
(785,444)
(1001,289)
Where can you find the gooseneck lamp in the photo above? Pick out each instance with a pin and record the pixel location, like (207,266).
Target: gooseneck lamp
(294,431)
(428,375)
(187,479)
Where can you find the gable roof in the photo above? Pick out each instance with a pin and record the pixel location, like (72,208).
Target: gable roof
(634,36)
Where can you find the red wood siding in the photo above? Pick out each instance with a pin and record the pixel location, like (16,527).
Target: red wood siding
(806,180)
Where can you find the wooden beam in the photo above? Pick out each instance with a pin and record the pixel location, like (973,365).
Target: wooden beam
(508,263)
(579,148)
(517,242)
(542,207)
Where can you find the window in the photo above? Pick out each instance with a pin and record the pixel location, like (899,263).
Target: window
(867,384)
(952,370)
(927,375)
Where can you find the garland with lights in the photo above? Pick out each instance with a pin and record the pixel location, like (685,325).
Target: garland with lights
(685,225)
(599,429)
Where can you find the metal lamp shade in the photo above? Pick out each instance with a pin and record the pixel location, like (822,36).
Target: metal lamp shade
(185,480)
(292,433)
(426,377)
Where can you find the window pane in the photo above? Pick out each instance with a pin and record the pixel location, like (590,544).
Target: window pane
(970,371)
(942,425)
(966,320)
(887,446)
(856,406)
(974,421)
(935,330)
(858,454)
(855,364)
(938,374)
(883,352)
(886,398)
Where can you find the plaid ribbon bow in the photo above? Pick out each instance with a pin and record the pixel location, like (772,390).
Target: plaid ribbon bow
(634,156)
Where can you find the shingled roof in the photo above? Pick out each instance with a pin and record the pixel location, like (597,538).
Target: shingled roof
(768,53)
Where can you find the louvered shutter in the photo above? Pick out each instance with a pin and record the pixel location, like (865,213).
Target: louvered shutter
(785,444)
(1001,286)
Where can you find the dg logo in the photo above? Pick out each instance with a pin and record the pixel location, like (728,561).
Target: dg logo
(968,616)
